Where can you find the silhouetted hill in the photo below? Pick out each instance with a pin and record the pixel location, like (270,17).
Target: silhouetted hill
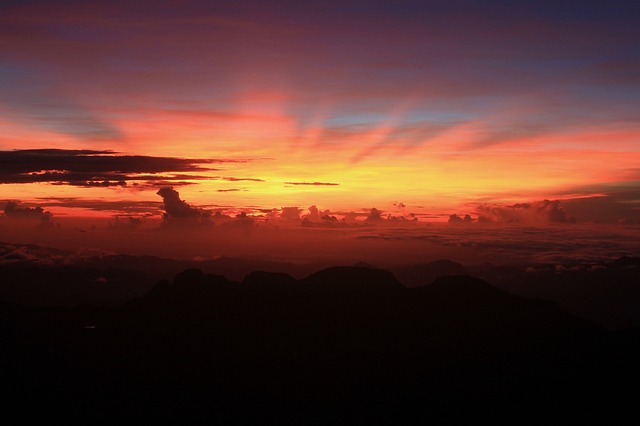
(192,291)
(626,262)
(344,344)
(425,273)
(268,279)
(467,303)
(352,281)
(232,268)
(607,293)
(71,286)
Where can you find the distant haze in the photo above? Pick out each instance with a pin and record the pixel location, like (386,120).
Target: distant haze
(381,244)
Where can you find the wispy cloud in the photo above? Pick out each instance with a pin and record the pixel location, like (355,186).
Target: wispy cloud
(313,183)
(235,179)
(119,206)
(90,168)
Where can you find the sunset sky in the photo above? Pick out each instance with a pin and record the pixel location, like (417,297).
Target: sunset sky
(439,106)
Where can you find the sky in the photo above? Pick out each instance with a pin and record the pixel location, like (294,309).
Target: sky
(428,108)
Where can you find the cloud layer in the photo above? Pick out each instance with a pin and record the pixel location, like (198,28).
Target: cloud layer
(95,168)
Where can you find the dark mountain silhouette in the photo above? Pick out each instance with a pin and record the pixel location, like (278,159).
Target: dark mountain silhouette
(109,337)
(626,262)
(352,281)
(263,279)
(424,273)
(344,344)
(605,292)
(232,268)
(471,305)
(71,286)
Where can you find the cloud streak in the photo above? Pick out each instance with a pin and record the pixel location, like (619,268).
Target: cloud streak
(119,206)
(234,179)
(91,168)
(312,183)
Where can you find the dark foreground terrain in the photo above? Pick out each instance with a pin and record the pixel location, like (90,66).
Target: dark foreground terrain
(343,345)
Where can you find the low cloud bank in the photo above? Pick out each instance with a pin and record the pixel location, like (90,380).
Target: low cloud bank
(91,168)
(535,213)
(13,211)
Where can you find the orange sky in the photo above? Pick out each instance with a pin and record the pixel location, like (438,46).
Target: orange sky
(345,107)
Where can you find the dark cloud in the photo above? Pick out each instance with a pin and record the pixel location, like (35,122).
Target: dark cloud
(90,168)
(313,183)
(174,206)
(93,183)
(154,184)
(126,223)
(316,216)
(91,161)
(454,218)
(539,212)
(314,213)
(121,206)
(291,213)
(605,202)
(13,211)
(616,206)
(178,211)
(555,212)
(228,190)
(235,179)
(374,215)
